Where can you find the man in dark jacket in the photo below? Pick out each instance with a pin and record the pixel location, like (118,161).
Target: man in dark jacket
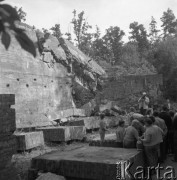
(175,137)
(168,121)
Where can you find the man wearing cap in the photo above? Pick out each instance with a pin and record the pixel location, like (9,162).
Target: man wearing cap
(143,103)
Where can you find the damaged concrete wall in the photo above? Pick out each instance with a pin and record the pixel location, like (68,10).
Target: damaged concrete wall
(42,88)
(43,85)
(127,89)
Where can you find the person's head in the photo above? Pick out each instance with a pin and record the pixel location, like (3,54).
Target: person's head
(121,123)
(155,114)
(149,112)
(168,101)
(144,94)
(123,113)
(141,120)
(102,116)
(152,119)
(135,123)
(164,108)
(132,109)
(148,122)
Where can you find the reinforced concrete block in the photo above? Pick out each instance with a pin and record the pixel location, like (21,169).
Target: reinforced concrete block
(103,163)
(26,141)
(63,133)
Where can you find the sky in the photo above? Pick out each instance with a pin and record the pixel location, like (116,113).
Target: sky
(104,13)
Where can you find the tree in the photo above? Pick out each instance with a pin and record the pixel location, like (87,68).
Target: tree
(153,31)
(169,23)
(81,28)
(21,13)
(99,49)
(113,41)
(130,55)
(8,19)
(56,31)
(166,64)
(139,35)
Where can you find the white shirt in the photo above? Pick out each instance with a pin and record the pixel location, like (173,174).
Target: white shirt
(143,103)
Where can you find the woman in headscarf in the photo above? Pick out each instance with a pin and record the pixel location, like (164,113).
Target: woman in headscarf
(131,135)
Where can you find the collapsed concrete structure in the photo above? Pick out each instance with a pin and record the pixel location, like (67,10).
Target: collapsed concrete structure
(45,86)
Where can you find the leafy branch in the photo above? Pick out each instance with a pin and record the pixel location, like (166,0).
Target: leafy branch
(8,19)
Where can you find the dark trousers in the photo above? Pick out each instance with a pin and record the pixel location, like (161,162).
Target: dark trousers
(175,145)
(171,142)
(163,153)
(151,155)
(143,111)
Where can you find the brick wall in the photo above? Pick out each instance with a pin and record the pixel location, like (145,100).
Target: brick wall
(7,139)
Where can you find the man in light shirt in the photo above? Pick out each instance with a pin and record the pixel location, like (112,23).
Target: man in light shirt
(143,103)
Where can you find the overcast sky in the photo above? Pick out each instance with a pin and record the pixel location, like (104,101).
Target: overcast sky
(104,13)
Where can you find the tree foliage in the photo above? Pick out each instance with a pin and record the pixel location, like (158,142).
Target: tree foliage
(68,35)
(114,43)
(81,31)
(130,54)
(22,14)
(56,31)
(139,35)
(169,23)
(8,19)
(166,64)
(153,34)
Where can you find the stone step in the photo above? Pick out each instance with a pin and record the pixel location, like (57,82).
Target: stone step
(63,133)
(29,140)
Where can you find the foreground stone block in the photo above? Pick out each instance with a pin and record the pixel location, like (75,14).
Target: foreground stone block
(89,162)
(63,133)
(9,173)
(110,141)
(26,141)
